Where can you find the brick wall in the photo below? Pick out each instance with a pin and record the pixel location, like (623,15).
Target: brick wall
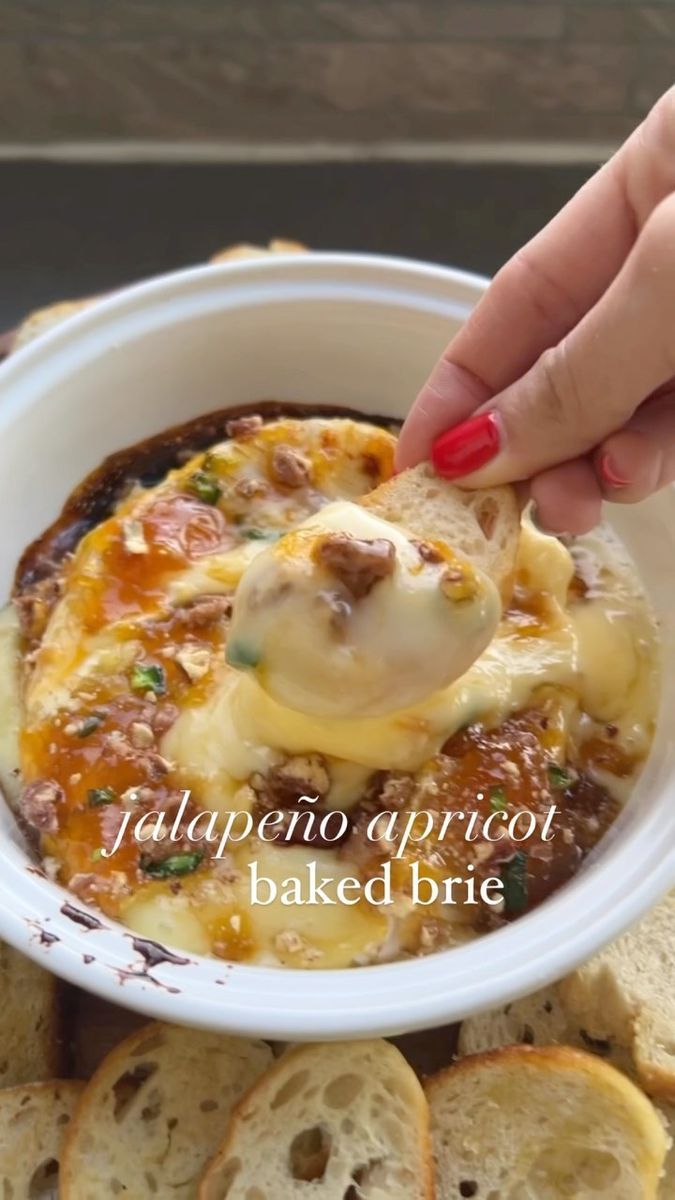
(331,70)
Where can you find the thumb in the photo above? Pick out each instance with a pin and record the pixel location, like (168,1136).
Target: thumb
(586,387)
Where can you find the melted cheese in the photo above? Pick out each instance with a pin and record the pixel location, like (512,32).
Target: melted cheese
(374,654)
(603,648)
(10,706)
(599,651)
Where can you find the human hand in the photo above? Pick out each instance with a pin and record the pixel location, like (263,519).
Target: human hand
(564,373)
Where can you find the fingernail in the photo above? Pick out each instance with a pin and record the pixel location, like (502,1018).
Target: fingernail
(611,474)
(466,447)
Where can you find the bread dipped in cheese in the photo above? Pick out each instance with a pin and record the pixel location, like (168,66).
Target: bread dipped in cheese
(370,606)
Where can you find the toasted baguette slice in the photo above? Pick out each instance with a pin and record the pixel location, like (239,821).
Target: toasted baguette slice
(541,1019)
(627,994)
(34,1121)
(328,1121)
(543,1124)
(43,319)
(30,1020)
(482,526)
(154,1112)
(537,1020)
(244,250)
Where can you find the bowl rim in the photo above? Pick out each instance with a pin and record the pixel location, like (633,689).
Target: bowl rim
(597,905)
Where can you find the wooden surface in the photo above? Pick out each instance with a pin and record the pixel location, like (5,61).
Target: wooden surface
(354,70)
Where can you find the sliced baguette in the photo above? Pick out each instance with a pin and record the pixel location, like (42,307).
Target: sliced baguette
(627,994)
(542,1019)
(154,1112)
(245,250)
(30,1029)
(333,1120)
(43,319)
(34,1120)
(537,1020)
(543,1124)
(482,526)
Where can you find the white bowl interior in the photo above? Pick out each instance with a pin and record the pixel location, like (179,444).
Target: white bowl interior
(328,329)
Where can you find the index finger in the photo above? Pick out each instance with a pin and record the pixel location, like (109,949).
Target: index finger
(548,285)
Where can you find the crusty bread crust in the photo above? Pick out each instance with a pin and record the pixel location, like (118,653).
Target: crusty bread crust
(626,993)
(168,1093)
(327,1118)
(537,1121)
(482,526)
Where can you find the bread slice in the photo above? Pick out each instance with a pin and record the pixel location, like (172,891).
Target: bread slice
(245,250)
(34,1120)
(627,994)
(543,1124)
(331,1121)
(43,319)
(537,1020)
(30,1020)
(154,1112)
(482,526)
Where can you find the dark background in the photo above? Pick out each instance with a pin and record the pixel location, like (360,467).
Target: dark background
(75,230)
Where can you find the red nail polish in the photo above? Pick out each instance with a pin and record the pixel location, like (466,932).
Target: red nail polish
(610,474)
(466,447)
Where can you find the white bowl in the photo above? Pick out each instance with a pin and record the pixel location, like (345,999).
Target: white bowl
(330,329)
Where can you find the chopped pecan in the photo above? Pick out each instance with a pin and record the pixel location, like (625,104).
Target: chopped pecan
(204,611)
(164,846)
(87,884)
(302,775)
(39,804)
(358,563)
(250,488)
(385,793)
(162,718)
(288,467)
(427,552)
(146,760)
(244,427)
(110,823)
(282,788)
(142,735)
